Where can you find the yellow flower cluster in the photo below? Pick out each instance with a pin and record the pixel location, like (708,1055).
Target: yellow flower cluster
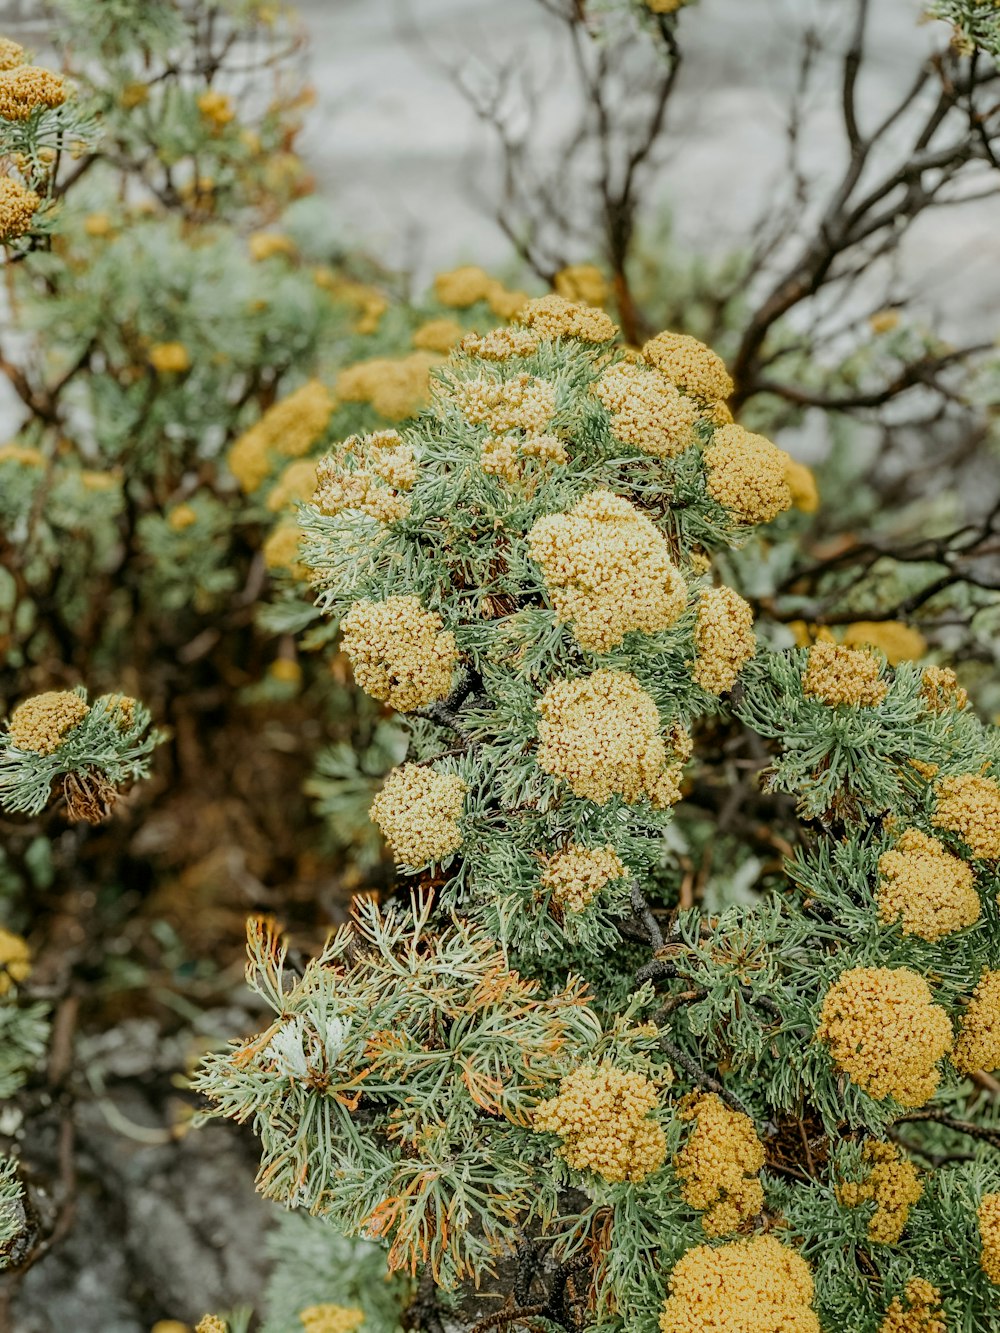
(25,88)
(746,474)
(838,675)
(927,890)
(723,638)
(601,735)
(369,303)
(978,1044)
(211,1323)
(500,344)
(281,550)
(11,54)
(290,428)
(396,388)
(169,358)
(329,1318)
(602,1116)
(438,335)
(505,455)
(417,811)
(892,1184)
(369,473)
(555,317)
(576,875)
(18,206)
(40,724)
(400,652)
(720,1163)
(898,642)
(264,245)
(646,410)
(940,689)
(15,960)
(885,1032)
(690,365)
(584,283)
(919,1311)
(216,107)
(297,482)
(969,805)
(607,570)
(522,403)
(22,454)
(801,486)
(756,1285)
(988,1214)
(465,286)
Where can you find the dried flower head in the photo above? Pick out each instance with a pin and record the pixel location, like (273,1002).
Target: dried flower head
(723,638)
(988,1214)
(500,344)
(885,1032)
(555,317)
(837,675)
(26,88)
(42,723)
(582,282)
(367,473)
(647,411)
(462,287)
(169,358)
(438,335)
(18,206)
(523,403)
(400,652)
(607,570)
(746,474)
(601,735)
(919,1310)
(690,365)
(576,875)
(602,1115)
(969,805)
(720,1163)
(978,1044)
(925,888)
(290,429)
(396,388)
(755,1285)
(801,484)
(15,960)
(940,689)
(898,642)
(418,811)
(331,1318)
(891,1183)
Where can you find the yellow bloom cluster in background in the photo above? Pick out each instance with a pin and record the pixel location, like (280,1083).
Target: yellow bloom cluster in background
(418,811)
(969,805)
(601,735)
(607,570)
(927,890)
(978,1044)
(468,285)
(41,723)
(576,875)
(330,1318)
(18,206)
(400,652)
(602,1115)
(720,1163)
(290,428)
(171,358)
(724,639)
(891,1183)
(15,960)
(837,675)
(756,1285)
(885,1032)
(395,387)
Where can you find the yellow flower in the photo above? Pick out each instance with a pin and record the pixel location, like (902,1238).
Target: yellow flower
(719,1164)
(42,722)
(930,892)
(266,244)
(969,805)
(837,675)
(885,1032)
(169,358)
(367,473)
(418,811)
(582,282)
(646,410)
(438,335)
(897,641)
(133,95)
(290,428)
(802,485)
(500,344)
(297,482)
(98,224)
(18,206)
(15,960)
(181,517)
(988,1214)
(523,403)
(331,1318)
(746,474)
(919,1311)
(396,388)
(607,570)
(892,1184)
(463,287)
(555,317)
(217,108)
(11,55)
(602,1115)
(755,1285)
(690,365)
(884,321)
(25,88)
(940,689)
(978,1044)
(576,875)
(400,652)
(281,550)
(286,670)
(22,454)
(723,638)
